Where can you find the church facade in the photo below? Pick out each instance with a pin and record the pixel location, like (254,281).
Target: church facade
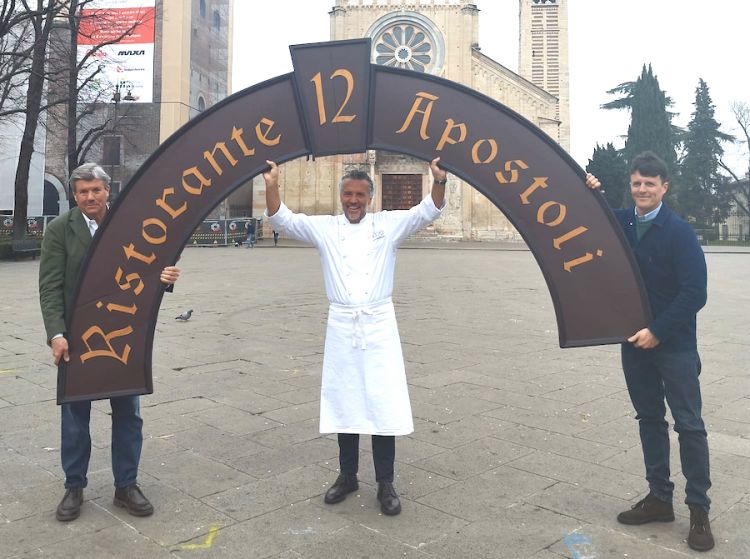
(439,37)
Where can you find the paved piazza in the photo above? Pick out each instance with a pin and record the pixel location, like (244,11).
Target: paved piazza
(521,449)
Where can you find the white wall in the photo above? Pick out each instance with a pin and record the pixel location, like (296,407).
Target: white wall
(10,144)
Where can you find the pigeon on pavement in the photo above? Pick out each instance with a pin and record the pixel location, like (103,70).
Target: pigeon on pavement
(184,316)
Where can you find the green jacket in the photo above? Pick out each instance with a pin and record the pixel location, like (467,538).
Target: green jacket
(66,241)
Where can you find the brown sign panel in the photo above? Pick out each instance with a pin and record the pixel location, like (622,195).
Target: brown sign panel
(590,272)
(333,86)
(595,286)
(111,326)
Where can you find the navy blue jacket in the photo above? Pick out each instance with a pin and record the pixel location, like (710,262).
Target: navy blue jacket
(674,271)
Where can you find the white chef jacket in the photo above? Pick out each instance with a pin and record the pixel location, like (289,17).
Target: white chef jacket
(364,384)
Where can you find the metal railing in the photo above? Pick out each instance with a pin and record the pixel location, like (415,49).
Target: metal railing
(211,232)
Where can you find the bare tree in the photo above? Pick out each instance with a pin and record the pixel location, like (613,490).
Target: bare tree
(11,16)
(15,54)
(740,192)
(40,17)
(31,86)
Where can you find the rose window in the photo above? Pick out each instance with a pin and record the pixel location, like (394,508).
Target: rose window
(405,46)
(408,40)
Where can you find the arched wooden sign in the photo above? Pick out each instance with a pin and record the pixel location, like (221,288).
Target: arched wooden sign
(335,102)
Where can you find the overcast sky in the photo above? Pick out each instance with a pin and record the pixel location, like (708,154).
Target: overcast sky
(609,43)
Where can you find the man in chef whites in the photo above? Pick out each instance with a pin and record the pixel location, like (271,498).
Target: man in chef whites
(364,384)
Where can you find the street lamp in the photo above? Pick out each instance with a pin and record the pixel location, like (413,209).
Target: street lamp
(128,87)
(116,98)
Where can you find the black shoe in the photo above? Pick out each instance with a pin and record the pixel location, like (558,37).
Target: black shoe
(344,484)
(390,504)
(650,509)
(700,537)
(70,506)
(134,500)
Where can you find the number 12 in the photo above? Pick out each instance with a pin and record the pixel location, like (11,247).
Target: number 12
(342,73)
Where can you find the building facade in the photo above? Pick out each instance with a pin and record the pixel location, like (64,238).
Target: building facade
(17,38)
(440,37)
(737,225)
(178,71)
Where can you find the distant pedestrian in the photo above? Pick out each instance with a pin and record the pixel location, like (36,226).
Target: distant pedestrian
(275,237)
(251,234)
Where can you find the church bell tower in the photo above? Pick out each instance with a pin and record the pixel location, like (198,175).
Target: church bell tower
(543,54)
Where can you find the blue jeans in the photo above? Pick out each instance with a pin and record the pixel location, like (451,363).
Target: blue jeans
(383,455)
(127,440)
(653,375)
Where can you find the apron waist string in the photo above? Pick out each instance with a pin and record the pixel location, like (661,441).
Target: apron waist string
(358,314)
(358,329)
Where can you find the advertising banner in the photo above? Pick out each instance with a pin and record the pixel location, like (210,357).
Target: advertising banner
(117,36)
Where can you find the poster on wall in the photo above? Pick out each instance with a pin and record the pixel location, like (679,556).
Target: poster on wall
(116,41)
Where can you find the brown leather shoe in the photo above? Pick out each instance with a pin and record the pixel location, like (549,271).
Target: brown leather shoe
(649,509)
(700,537)
(390,504)
(70,506)
(134,500)
(344,484)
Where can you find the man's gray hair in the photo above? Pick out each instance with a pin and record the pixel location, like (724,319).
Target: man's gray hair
(357,175)
(88,172)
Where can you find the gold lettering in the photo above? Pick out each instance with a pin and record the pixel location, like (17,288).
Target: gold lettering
(558,241)
(319,96)
(509,166)
(150,239)
(341,73)
(539,182)
(129,279)
(130,252)
(240,141)
(162,203)
(110,352)
(475,151)
(210,157)
(421,96)
(446,139)
(111,307)
(195,190)
(263,136)
(561,211)
(347,75)
(588,257)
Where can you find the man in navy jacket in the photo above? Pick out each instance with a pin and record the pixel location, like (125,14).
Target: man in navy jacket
(661,360)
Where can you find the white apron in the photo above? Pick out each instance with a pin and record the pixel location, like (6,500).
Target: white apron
(364,383)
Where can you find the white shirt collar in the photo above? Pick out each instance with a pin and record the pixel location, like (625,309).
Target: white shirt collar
(650,216)
(91,224)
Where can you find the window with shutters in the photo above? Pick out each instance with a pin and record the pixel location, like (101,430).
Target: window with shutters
(401,192)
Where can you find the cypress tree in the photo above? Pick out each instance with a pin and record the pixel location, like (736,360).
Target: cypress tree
(609,166)
(650,122)
(702,198)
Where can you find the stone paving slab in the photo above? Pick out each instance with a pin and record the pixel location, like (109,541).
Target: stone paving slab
(521,449)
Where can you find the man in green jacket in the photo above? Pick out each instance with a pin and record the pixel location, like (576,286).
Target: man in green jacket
(66,242)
